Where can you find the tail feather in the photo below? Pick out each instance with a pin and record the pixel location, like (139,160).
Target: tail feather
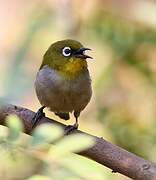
(64,116)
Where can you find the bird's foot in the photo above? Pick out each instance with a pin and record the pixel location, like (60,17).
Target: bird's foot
(69,129)
(37,117)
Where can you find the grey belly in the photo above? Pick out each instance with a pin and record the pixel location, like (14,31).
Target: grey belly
(62,95)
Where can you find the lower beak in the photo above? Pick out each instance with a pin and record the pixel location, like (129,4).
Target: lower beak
(80,53)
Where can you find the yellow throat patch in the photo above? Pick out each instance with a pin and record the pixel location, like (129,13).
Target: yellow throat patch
(73,68)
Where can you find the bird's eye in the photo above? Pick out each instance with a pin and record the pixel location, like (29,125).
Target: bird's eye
(66,51)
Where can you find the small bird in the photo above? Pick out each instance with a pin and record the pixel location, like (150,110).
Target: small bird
(63,82)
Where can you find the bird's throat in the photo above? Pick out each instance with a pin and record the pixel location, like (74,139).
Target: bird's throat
(73,68)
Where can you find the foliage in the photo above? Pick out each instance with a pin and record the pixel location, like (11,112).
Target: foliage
(131,82)
(36,158)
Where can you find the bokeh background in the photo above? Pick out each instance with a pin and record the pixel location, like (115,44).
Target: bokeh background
(122,36)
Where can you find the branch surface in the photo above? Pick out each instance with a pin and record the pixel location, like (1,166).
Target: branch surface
(103,152)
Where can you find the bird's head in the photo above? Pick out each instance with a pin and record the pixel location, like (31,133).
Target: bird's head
(68,57)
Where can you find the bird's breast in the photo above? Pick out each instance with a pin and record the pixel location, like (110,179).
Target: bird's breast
(61,94)
(73,68)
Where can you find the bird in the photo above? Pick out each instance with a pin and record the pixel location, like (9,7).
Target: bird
(63,82)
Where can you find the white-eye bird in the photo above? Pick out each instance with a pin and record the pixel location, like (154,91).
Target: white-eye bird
(63,82)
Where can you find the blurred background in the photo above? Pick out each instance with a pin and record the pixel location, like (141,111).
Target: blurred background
(122,36)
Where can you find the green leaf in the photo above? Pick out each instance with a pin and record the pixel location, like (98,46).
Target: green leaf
(39,177)
(72,143)
(45,134)
(15,127)
(3,132)
(83,167)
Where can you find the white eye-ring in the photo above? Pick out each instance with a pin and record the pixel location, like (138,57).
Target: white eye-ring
(66,51)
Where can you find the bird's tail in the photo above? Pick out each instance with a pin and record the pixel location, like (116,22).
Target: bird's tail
(62,115)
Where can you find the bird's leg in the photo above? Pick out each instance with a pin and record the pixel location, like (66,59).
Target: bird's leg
(71,128)
(37,117)
(76,115)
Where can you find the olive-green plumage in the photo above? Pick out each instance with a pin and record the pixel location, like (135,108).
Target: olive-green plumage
(63,82)
(54,57)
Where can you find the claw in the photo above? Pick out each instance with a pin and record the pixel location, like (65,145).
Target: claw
(69,129)
(38,116)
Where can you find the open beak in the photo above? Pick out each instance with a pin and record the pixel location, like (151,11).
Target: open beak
(80,53)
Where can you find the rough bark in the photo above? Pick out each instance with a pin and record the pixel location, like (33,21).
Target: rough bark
(103,152)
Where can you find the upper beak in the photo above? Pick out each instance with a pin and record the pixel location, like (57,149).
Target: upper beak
(80,53)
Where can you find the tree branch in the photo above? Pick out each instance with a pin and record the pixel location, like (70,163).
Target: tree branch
(103,152)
